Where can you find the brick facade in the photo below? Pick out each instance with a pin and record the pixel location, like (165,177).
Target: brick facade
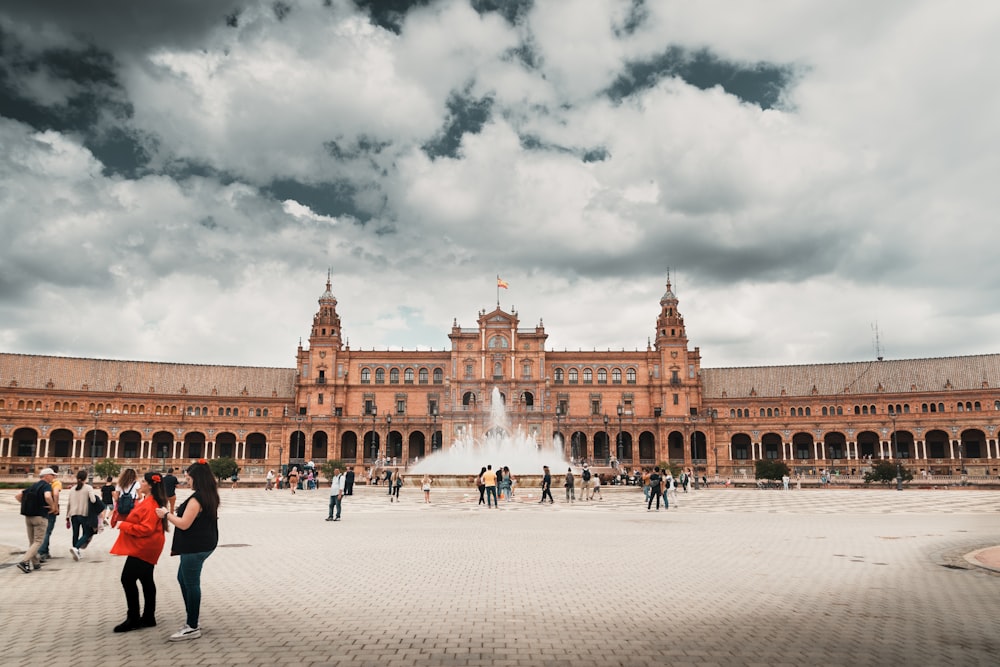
(644,406)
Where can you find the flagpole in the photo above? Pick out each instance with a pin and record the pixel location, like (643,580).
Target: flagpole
(498,291)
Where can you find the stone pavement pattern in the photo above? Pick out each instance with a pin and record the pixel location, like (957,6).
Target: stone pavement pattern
(725,577)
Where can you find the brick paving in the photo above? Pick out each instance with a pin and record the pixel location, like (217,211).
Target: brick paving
(725,577)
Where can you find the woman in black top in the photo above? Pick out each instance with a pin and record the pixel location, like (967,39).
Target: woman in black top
(197,535)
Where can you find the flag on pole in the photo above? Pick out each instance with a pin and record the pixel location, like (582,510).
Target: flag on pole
(502,283)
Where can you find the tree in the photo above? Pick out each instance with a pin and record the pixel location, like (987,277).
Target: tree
(772,469)
(107,468)
(885,472)
(223,467)
(327,468)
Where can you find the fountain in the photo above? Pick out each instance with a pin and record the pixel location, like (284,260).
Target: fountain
(501,446)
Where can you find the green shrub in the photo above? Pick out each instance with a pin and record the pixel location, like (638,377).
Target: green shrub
(772,469)
(884,472)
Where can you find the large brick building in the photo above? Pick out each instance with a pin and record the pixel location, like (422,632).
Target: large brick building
(644,406)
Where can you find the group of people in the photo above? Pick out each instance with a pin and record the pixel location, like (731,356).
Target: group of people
(143,510)
(308,479)
(495,485)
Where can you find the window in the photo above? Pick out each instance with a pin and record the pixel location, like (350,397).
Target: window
(468,371)
(559,377)
(408,376)
(498,370)
(526,371)
(158,410)
(732,414)
(573,376)
(379,376)
(762,412)
(675,378)
(677,399)
(394,376)
(588,376)
(423,376)
(595,406)
(630,376)
(236,412)
(400,406)
(616,376)
(366,376)
(438,376)
(824,411)
(498,342)
(602,376)
(319,399)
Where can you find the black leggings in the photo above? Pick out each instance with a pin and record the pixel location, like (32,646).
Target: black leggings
(138,570)
(482,490)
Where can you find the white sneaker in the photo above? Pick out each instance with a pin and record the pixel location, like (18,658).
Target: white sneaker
(185,633)
(75,552)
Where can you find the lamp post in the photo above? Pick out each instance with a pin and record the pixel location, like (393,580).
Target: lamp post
(93,448)
(606,437)
(374,444)
(895,446)
(434,420)
(388,436)
(619,448)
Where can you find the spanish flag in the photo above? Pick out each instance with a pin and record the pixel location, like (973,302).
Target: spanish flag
(502,283)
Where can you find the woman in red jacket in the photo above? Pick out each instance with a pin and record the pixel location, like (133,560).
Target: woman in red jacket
(141,538)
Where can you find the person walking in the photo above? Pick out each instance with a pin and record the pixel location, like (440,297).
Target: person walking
(141,536)
(336,495)
(126,495)
(546,485)
(36,504)
(293,478)
(671,488)
(425,486)
(170,487)
(197,535)
(570,486)
(269,480)
(108,498)
(596,488)
(78,512)
(43,551)
(397,482)
(505,484)
(490,480)
(481,485)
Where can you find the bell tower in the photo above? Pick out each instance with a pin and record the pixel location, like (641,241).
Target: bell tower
(318,368)
(670,332)
(681,368)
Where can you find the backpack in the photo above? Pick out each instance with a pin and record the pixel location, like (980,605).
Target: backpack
(94,510)
(126,502)
(586,474)
(31,503)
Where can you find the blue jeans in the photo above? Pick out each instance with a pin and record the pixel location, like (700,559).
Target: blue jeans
(189,577)
(491,493)
(335,502)
(83,532)
(44,549)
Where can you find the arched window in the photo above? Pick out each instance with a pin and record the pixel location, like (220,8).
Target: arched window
(824,411)
(762,412)
(732,413)
(864,409)
(616,376)
(379,376)
(588,376)
(498,342)
(366,376)
(408,376)
(961,408)
(559,378)
(874,410)
(497,370)
(808,412)
(423,376)
(977,406)
(602,376)
(574,376)
(940,407)
(394,376)
(630,376)
(840,410)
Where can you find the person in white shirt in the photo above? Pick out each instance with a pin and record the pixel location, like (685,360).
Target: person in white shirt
(336,494)
(596,480)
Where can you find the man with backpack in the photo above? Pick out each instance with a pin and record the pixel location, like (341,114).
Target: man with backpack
(586,484)
(37,503)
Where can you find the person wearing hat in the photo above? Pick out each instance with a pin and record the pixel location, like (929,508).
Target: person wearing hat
(35,509)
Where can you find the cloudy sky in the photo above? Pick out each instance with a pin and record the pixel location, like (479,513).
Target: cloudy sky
(177,178)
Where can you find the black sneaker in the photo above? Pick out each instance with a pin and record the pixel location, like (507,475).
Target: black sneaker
(36,566)
(24,567)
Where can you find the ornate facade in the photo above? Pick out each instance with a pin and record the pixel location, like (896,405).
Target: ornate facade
(642,407)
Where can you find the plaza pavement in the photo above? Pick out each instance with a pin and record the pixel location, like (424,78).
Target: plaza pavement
(725,577)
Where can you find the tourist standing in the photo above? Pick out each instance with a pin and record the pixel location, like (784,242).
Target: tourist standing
(490,480)
(645,483)
(570,490)
(197,535)
(36,504)
(268,481)
(505,484)
(425,486)
(585,483)
(336,494)
(170,487)
(546,485)
(654,489)
(785,479)
(141,539)
(235,479)
(349,482)
(671,487)
(108,498)
(78,511)
(397,482)
(481,485)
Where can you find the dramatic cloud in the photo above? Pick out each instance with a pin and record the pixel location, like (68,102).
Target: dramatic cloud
(177,180)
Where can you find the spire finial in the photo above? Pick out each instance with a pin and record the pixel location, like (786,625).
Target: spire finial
(328,280)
